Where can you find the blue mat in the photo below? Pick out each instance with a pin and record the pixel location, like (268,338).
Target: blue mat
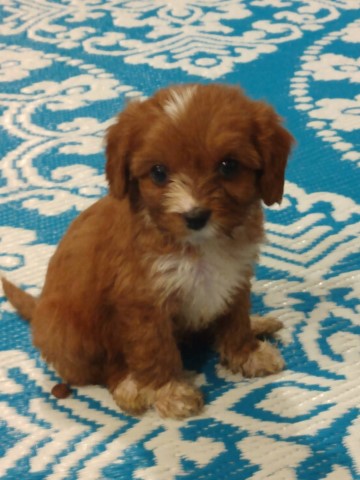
(66,68)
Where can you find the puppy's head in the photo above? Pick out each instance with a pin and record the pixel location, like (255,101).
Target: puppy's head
(196,158)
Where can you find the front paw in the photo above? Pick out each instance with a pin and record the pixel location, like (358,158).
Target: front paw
(178,399)
(265,326)
(264,360)
(131,398)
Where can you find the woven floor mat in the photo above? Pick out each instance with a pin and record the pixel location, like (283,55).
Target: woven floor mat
(66,68)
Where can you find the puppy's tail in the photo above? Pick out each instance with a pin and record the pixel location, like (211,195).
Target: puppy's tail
(22,301)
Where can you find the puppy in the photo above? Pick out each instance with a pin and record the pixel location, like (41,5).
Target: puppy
(170,250)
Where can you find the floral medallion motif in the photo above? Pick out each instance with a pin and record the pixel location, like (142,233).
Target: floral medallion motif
(66,68)
(326,89)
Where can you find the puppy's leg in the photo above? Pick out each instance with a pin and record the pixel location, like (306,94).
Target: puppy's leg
(61,335)
(131,397)
(265,325)
(155,376)
(239,348)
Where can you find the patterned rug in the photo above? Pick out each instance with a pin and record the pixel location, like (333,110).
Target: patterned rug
(66,68)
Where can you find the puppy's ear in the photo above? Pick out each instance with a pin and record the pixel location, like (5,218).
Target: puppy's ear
(121,140)
(273,142)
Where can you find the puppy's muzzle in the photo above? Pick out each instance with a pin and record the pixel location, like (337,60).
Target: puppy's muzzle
(197,218)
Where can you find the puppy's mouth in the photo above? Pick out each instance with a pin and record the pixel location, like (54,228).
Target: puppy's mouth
(199,225)
(192,227)
(201,236)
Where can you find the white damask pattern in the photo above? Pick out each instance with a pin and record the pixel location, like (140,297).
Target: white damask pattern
(335,117)
(66,68)
(199,37)
(73,185)
(18,64)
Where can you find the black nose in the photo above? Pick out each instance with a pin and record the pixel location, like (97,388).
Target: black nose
(197,218)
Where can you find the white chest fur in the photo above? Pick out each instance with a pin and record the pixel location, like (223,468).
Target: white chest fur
(206,282)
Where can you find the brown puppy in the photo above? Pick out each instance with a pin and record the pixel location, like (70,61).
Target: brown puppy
(170,249)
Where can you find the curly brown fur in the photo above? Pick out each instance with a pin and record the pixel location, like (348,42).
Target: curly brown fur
(170,249)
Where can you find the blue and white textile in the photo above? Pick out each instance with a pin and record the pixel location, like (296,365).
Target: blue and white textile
(66,68)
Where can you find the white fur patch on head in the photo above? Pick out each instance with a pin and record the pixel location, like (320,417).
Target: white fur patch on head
(178,100)
(178,198)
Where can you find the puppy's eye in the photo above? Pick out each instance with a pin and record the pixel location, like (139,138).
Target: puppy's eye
(228,168)
(159,174)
